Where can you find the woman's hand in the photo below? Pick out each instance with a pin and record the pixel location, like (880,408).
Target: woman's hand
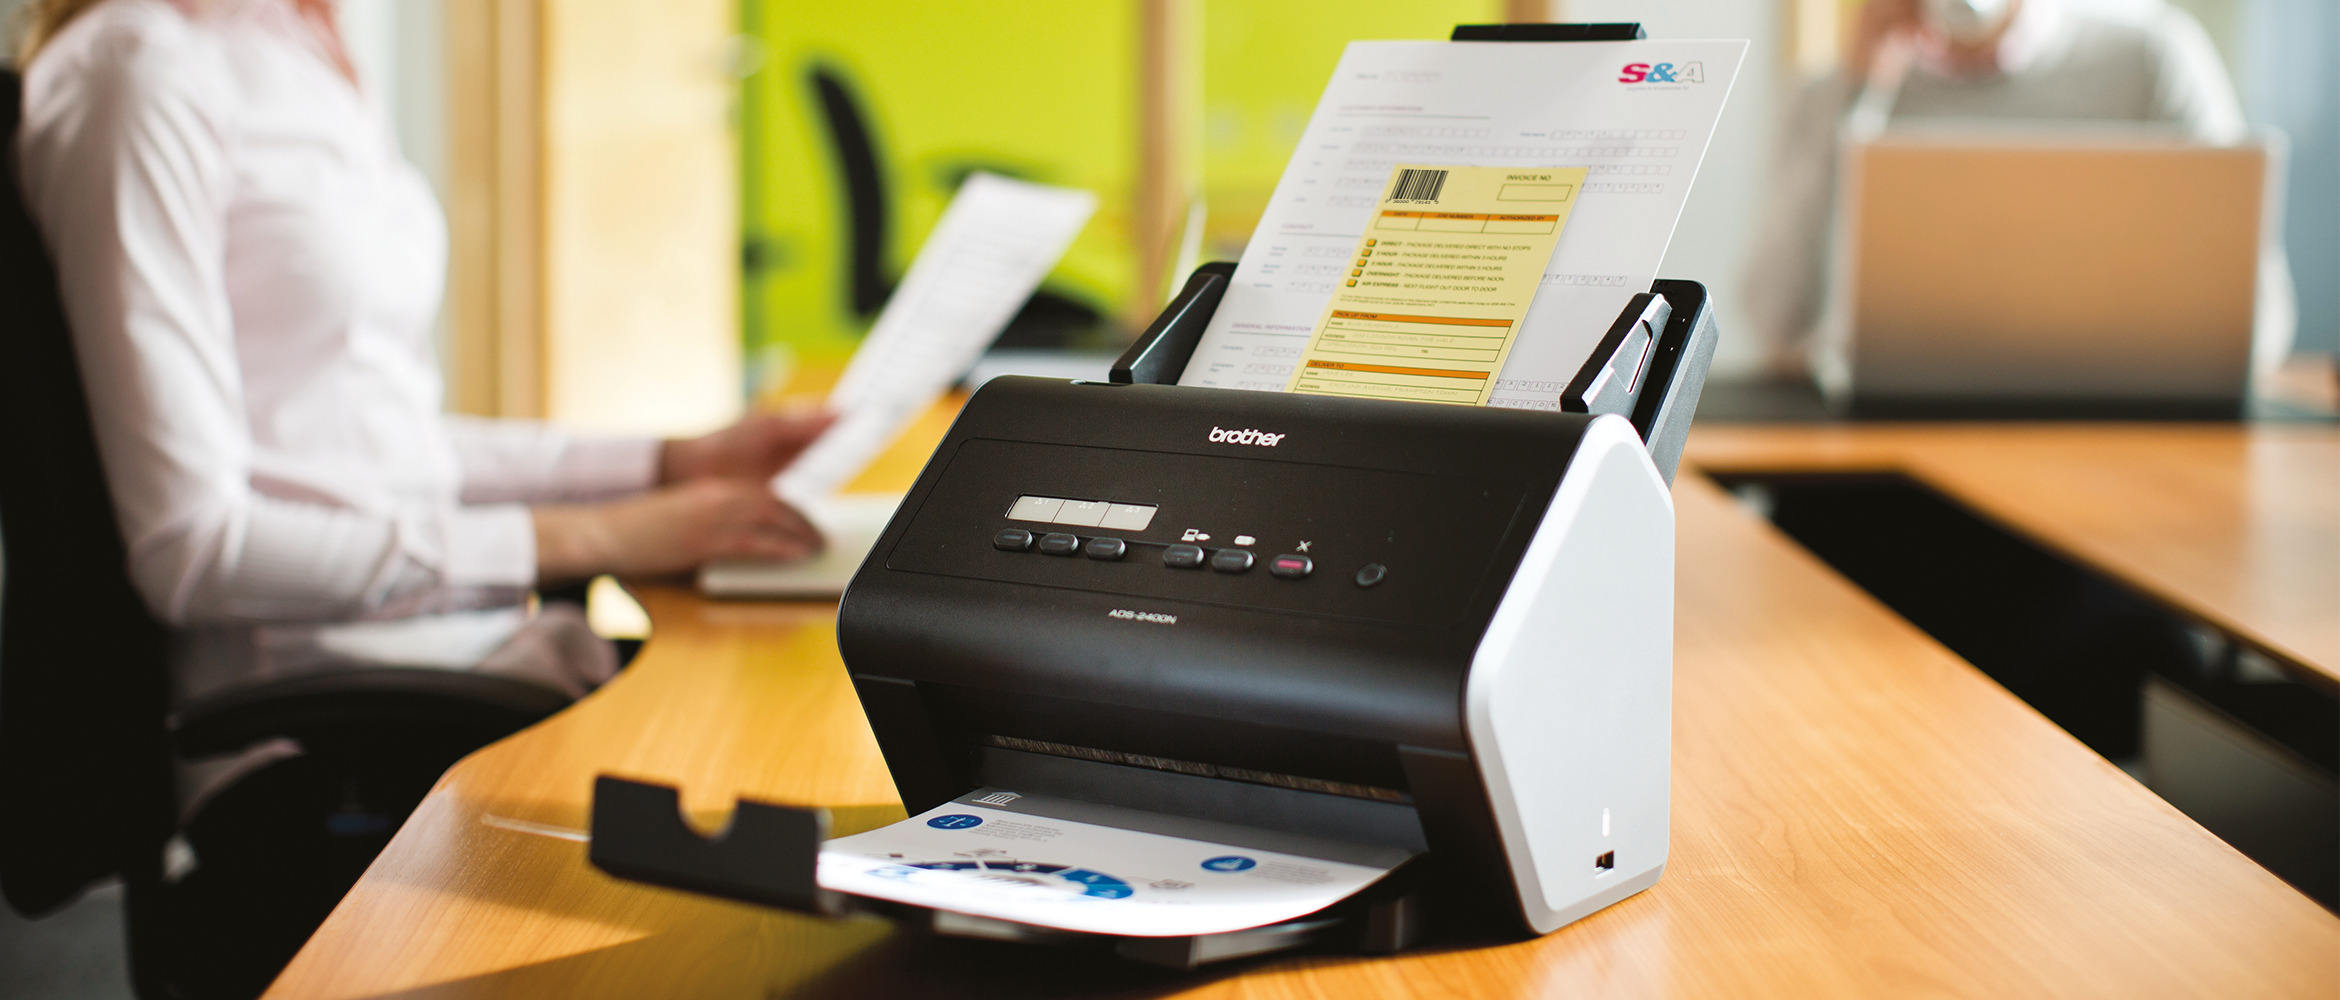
(670,529)
(715,502)
(1883,21)
(1880,21)
(757,447)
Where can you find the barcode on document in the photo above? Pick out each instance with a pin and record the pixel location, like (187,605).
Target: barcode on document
(1418,185)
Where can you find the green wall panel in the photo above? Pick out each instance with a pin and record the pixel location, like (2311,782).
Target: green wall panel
(1044,90)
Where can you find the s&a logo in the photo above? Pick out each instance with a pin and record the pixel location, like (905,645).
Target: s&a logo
(1665,72)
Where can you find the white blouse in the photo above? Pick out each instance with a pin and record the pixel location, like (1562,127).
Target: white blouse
(251,271)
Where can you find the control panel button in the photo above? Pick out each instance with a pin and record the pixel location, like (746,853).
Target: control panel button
(1292,566)
(1372,574)
(1057,543)
(1107,548)
(1182,556)
(1012,540)
(1231,561)
(1084,513)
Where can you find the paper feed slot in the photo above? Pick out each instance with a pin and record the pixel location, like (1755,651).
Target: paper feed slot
(1661,402)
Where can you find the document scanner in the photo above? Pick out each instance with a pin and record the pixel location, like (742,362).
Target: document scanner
(1445,631)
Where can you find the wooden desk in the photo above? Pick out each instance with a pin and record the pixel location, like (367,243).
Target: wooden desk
(2235,525)
(1857,813)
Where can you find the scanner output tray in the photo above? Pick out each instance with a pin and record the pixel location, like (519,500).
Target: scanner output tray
(998,865)
(1099,869)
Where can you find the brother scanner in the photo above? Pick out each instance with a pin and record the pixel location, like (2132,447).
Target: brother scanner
(1440,634)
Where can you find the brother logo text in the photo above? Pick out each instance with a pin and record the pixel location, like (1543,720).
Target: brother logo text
(1252,436)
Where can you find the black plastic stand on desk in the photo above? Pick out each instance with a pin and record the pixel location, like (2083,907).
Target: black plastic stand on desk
(766,854)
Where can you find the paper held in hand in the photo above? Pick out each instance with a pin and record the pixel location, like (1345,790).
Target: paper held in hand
(991,249)
(994,244)
(1438,285)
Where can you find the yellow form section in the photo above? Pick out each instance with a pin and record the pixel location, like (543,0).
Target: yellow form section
(1439,283)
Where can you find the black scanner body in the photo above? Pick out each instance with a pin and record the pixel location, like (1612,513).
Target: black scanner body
(1334,705)
(1342,703)
(1438,630)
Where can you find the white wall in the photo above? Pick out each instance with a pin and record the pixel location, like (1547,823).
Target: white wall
(641,223)
(2287,65)
(397,46)
(1718,225)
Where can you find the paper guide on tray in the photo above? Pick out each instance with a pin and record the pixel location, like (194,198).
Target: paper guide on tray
(1098,869)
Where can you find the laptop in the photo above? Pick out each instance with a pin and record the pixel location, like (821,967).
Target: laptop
(2015,275)
(850,522)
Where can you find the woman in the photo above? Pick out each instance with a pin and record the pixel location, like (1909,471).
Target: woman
(1967,62)
(251,271)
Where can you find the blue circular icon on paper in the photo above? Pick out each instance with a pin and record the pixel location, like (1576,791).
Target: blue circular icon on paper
(1097,883)
(1229,863)
(955,821)
(1091,883)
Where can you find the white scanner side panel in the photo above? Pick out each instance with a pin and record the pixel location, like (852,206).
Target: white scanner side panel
(1569,704)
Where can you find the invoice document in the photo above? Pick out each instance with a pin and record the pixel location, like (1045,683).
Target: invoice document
(1635,115)
(1437,287)
(1098,869)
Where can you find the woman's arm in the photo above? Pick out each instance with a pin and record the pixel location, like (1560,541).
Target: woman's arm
(508,461)
(525,460)
(715,501)
(698,498)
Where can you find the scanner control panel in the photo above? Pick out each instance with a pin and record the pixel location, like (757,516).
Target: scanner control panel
(1248,532)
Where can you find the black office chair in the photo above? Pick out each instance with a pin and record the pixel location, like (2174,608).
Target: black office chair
(87,736)
(1049,319)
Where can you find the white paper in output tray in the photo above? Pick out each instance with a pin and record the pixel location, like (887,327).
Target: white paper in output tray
(1489,104)
(1020,861)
